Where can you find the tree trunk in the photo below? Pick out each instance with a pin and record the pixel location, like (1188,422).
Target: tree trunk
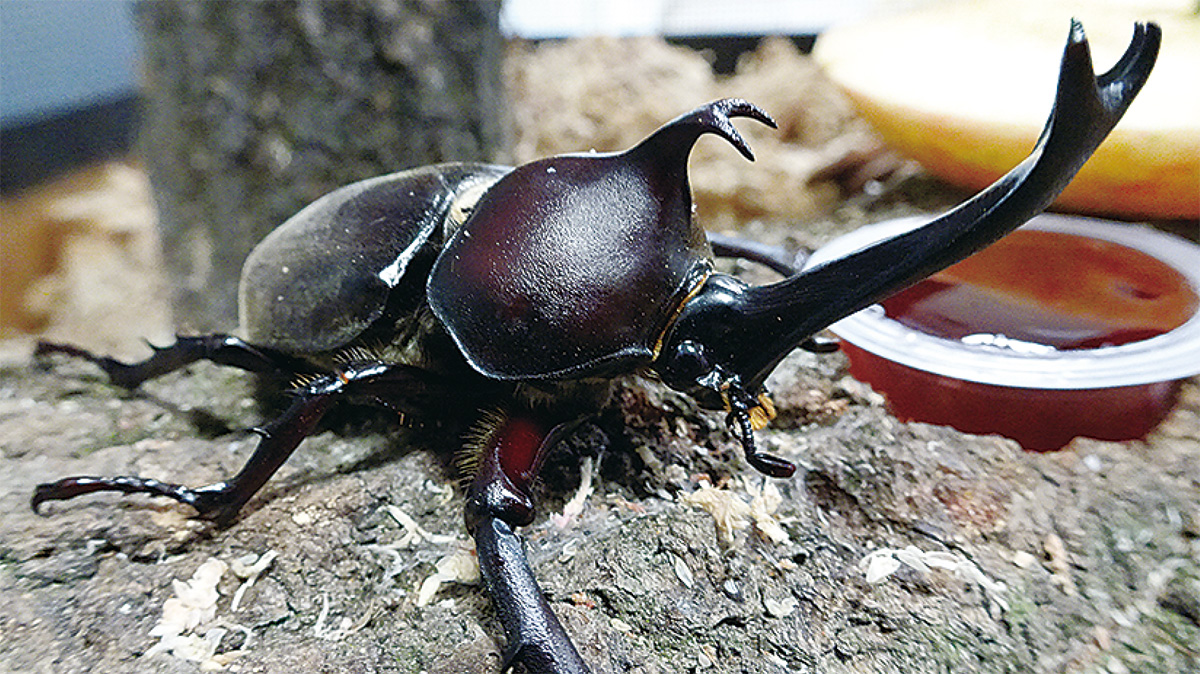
(256,109)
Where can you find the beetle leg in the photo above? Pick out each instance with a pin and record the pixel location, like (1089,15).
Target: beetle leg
(498,500)
(221,501)
(774,258)
(535,637)
(218,348)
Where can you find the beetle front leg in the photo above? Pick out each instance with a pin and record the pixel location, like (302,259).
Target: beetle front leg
(508,456)
(220,501)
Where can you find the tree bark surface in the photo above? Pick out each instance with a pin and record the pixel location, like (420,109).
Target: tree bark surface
(255,109)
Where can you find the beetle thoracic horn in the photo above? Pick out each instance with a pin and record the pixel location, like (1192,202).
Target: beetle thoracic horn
(674,140)
(586,257)
(745,331)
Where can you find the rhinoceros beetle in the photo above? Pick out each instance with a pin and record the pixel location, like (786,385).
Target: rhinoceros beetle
(524,292)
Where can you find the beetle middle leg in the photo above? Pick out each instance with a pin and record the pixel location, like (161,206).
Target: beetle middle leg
(218,348)
(775,258)
(369,382)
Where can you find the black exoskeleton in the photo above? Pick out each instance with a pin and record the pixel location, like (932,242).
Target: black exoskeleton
(523,292)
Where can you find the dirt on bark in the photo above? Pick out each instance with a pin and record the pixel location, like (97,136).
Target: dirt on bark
(999,560)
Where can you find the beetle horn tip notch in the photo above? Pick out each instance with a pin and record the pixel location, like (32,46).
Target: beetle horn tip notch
(678,135)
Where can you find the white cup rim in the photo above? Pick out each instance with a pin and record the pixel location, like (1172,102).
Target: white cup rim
(1167,357)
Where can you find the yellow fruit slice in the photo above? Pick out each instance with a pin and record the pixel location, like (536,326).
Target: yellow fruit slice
(964,88)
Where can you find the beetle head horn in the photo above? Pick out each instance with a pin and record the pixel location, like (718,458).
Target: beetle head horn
(729,336)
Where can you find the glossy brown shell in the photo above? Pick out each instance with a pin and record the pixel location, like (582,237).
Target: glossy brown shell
(574,265)
(325,275)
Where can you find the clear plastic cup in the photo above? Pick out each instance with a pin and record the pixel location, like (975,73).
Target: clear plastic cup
(1041,397)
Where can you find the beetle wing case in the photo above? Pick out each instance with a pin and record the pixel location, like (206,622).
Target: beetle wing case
(325,275)
(574,265)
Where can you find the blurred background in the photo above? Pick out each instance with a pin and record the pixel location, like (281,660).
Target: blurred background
(145,147)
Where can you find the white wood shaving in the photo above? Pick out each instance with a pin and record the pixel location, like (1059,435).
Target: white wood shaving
(249,568)
(460,566)
(780,608)
(574,507)
(765,502)
(731,511)
(338,633)
(190,629)
(879,564)
(413,532)
(682,572)
(193,607)
(728,510)
(568,551)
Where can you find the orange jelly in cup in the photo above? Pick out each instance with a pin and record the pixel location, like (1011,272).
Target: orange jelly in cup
(1068,327)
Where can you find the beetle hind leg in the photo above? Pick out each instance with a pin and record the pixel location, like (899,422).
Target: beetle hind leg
(377,383)
(218,348)
(507,457)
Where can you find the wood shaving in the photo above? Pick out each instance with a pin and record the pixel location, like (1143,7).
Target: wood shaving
(780,608)
(728,510)
(766,500)
(190,629)
(413,532)
(683,572)
(880,564)
(186,629)
(321,631)
(574,507)
(249,568)
(460,566)
(606,94)
(1060,562)
(731,512)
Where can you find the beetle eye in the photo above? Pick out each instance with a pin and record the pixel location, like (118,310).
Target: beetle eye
(689,363)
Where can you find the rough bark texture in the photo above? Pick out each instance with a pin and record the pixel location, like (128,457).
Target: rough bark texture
(255,109)
(1084,560)
(1079,561)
